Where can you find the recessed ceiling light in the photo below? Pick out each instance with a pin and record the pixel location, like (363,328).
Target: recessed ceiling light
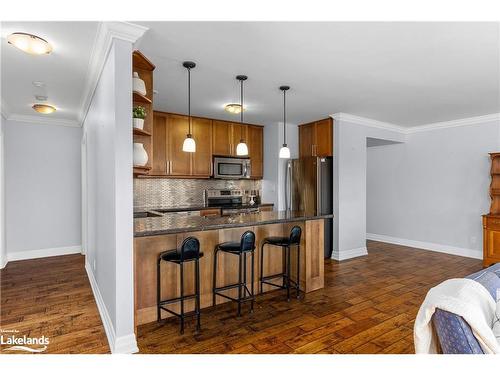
(233,108)
(30,43)
(44,108)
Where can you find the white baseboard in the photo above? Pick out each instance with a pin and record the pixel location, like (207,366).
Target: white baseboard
(123,344)
(42,253)
(452,250)
(348,254)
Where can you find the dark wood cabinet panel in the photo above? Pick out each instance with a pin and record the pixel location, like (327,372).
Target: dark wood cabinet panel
(179,161)
(316,138)
(221,138)
(255,142)
(202,158)
(160,159)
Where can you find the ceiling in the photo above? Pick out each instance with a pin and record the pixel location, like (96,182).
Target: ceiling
(402,73)
(64,71)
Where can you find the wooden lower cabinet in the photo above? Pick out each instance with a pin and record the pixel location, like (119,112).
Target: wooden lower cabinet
(146,250)
(491,239)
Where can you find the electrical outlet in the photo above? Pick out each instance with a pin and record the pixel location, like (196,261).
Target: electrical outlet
(473,240)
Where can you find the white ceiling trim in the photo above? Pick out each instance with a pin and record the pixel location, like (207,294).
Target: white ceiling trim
(416,129)
(43,120)
(107,32)
(454,123)
(368,122)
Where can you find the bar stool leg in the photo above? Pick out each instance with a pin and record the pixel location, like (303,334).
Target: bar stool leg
(244,274)
(214,281)
(261,284)
(252,281)
(283,265)
(298,271)
(288,273)
(182,297)
(197,279)
(158,290)
(239,284)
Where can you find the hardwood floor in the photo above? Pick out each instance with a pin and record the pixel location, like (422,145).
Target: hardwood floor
(52,297)
(368,305)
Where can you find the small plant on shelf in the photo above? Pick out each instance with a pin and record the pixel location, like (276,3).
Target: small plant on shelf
(139,114)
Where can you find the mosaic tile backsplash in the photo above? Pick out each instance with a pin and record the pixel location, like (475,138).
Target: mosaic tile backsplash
(170,192)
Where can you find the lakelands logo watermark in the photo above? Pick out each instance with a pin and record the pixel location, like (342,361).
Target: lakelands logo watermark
(16,342)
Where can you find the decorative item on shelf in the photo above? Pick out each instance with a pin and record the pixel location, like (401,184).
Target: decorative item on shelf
(284,151)
(139,114)
(189,144)
(241,148)
(140,155)
(138,84)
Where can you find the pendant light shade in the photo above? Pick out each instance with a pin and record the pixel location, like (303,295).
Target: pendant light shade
(189,144)
(241,148)
(284,151)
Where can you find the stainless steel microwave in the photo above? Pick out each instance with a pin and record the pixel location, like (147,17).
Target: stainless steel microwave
(231,168)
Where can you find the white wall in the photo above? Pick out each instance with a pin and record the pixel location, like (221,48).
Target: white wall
(108,135)
(42,189)
(349,195)
(3,252)
(434,188)
(273,184)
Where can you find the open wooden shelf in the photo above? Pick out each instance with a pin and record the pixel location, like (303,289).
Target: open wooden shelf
(139,170)
(139,98)
(141,132)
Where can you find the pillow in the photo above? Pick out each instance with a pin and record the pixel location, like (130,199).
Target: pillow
(496,322)
(490,281)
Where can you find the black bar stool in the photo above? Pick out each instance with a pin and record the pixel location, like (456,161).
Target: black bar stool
(246,245)
(285,243)
(189,251)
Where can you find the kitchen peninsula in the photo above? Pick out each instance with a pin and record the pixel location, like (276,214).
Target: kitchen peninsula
(154,235)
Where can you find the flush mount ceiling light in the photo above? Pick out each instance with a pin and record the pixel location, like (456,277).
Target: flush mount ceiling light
(44,108)
(233,108)
(241,148)
(30,43)
(284,151)
(189,144)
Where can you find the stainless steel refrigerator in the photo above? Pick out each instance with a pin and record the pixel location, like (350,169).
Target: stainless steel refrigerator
(309,188)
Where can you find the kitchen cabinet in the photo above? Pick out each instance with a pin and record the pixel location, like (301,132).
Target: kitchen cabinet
(491,221)
(222,137)
(316,138)
(179,162)
(213,137)
(255,142)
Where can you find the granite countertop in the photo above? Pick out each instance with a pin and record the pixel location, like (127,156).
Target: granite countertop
(196,207)
(154,226)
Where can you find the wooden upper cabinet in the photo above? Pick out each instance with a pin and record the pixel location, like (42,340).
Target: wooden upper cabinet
(202,158)
(306,140)
(160,159)
(324,138)
(179,161)
(255,142)
(221,138)
(316,138)
(238,131)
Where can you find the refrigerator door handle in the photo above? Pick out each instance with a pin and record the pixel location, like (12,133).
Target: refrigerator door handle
(318,187)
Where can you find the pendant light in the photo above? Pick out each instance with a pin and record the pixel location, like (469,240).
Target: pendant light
(241,148)
(284,151)
(189,144)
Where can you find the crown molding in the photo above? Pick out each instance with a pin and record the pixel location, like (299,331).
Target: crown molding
(454,123)
(368,122)
(43,120)
(106,33)
(415,129)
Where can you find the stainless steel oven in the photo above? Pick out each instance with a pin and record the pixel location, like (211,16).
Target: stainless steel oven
(231,168)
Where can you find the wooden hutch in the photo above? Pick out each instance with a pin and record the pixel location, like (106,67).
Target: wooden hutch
(491,221)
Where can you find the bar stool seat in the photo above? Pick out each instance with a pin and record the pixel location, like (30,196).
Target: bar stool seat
(188,252)
(278,241)
(246,245)
(175,256)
